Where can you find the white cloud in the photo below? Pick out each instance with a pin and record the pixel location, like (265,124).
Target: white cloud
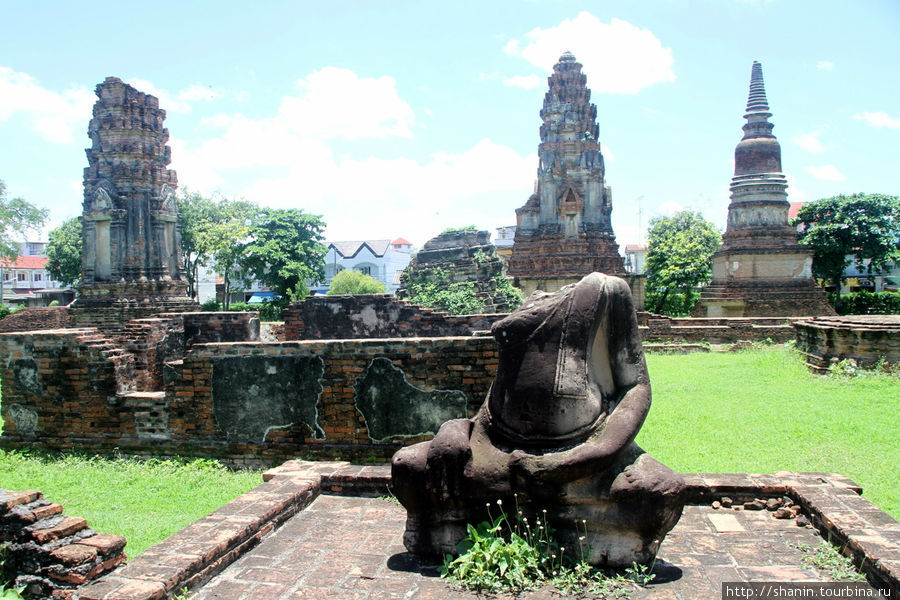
(167,101)
(826,172)
(618,57)
(200,93)
(54,115)
(825,65)
(359,196)
(670,207)
(178,102)
(879,119)
(810,142)
(608,156)
(526,82)
(371,197)
(795,194)
(329,105)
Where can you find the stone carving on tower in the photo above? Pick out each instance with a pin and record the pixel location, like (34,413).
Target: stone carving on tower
(760,269)
(564,231)
(130,258)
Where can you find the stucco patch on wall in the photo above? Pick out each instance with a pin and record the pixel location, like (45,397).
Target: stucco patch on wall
(26,376)
(25,419)
(254,394)
(394,408)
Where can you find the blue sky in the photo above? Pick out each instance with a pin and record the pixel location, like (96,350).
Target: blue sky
(403,118)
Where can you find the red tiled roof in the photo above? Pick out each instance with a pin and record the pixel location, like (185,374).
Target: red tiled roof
(794,209)
(634,247)
(25,262)
(401,241)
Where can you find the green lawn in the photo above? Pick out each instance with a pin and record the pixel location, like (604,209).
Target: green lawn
(756,411)
(760,411)
(144,501)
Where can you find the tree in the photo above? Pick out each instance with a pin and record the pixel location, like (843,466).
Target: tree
(64,252)
(196,214)
(680,250)
(224,240)
(285,251)
(355,282)
(862,228)
(16,217)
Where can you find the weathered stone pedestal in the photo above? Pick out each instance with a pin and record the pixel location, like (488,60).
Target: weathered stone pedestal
(556,434)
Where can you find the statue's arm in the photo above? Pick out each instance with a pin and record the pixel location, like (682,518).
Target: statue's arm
(622,425)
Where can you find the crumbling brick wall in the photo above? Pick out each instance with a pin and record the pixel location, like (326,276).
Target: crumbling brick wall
(50,554)
(63,384)
(242,401)
(31,319)
(367,316)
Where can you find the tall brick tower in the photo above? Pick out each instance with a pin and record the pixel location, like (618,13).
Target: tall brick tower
(130,259)
(760,270)
(564,231)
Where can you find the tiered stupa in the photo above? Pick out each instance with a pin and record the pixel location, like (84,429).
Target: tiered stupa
(130,262)
(564,231)
(760,270)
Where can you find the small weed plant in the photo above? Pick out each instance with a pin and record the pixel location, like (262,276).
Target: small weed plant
(512,555)
(825,557)
(7,593)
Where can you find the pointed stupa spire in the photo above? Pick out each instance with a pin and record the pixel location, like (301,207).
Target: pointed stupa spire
(757,113)
(756,101)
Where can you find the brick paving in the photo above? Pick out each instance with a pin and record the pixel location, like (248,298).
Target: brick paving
(350,548)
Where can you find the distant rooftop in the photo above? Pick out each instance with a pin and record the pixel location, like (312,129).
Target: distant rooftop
(351,249)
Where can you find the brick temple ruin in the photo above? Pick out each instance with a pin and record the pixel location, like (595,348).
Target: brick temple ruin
(132,367)
(461,256)
(761,269)
(564,230)
(130,262)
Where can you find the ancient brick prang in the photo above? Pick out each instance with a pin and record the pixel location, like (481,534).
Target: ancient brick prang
(456,257)
(761,269)
(564,230)
(50,554)
(130,257)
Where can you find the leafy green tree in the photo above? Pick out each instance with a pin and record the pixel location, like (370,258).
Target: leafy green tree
(16,217)
(862,228)
(64,252)
(224,240)
(355,282)
(196,214)
(285,251)
(680,250)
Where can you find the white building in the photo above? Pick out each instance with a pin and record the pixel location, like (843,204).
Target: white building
(635,258)
(25,279)
(381,259)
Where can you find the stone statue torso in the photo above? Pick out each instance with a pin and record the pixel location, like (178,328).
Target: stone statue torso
(554,384)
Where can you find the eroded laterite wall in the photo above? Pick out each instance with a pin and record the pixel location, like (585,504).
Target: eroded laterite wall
(246,402)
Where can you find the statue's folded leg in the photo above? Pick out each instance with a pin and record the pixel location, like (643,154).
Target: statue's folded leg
(624,512)
(428,480)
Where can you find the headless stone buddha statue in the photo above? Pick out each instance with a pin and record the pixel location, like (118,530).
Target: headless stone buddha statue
(556,434)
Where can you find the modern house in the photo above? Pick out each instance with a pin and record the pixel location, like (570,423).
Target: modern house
(25,280)
(635,258)
(381,259)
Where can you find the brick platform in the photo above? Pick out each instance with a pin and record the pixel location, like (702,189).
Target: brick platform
(334,543)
